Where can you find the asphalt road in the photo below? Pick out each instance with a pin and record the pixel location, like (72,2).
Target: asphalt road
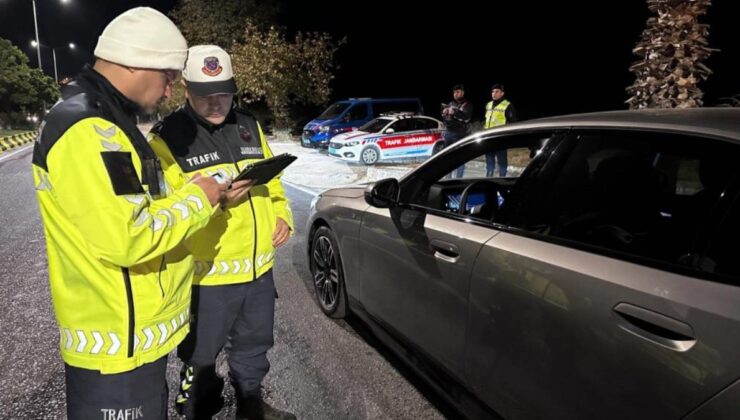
(321,368)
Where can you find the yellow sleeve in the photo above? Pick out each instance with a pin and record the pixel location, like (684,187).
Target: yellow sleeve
(123,230)
(280,203)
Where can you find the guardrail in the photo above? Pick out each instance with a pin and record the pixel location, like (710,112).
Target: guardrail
(16,140)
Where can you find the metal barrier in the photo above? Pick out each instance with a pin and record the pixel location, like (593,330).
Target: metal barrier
(16,140)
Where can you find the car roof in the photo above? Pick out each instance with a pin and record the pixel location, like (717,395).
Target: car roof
(400,115)
(355,100)
(717,122)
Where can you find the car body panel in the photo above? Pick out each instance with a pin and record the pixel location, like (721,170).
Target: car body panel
(727,401)
(429,301)
(544,333)
(341,209)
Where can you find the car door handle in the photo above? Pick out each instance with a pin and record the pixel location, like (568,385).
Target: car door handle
(445,251)
(655,327)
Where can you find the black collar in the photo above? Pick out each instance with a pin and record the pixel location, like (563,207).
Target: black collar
(93,82)
(230,118)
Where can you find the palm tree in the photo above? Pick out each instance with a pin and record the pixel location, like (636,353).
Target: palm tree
(671,51)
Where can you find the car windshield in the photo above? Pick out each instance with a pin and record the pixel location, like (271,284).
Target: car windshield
(333,111)
(375,125)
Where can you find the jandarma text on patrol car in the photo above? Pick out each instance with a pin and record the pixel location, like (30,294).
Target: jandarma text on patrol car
(408,141)
(199,160)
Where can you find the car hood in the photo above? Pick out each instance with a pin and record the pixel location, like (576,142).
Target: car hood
(313,124)
(347,191)
(351,135)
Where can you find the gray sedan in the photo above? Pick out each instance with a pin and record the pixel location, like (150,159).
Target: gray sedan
(581,267)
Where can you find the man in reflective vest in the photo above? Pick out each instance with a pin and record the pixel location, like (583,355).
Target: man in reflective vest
(498,112)
(120,275)
(233,290)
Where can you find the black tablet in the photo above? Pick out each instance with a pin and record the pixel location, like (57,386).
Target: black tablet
(264,170)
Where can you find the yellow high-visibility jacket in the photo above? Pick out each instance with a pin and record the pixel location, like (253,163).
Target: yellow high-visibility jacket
(236,246)
(119,272)
(496,115)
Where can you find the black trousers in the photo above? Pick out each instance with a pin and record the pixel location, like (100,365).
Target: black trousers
(137,394)
(238,318)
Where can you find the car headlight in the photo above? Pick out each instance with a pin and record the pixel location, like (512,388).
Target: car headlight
(352,143)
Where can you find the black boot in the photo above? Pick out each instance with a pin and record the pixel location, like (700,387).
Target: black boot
(253,407)
(199,396)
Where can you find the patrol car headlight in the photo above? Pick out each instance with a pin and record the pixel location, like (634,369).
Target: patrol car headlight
(325,129)
(352,143)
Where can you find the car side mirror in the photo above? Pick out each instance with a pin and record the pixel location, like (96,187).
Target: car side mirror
(383,194)
(390,131)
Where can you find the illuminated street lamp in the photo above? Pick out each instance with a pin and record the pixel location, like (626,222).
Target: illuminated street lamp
(36,27)
(70,45)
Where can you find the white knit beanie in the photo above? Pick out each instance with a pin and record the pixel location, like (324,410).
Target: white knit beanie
(145,38)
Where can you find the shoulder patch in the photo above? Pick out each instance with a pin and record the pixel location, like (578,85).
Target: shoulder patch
(122,173)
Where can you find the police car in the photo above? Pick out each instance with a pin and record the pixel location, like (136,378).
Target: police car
(390,137)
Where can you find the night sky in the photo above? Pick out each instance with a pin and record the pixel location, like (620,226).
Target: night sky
(554,58)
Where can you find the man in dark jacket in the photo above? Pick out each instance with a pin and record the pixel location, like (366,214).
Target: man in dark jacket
(456,116)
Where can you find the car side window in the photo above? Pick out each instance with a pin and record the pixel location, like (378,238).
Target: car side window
(425,124)
(720,257)
(476,195)
(357,112)
(643,194)
(401,125)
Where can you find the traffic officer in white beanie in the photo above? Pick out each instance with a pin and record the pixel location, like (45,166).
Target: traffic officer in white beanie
(120,275)
(233,289)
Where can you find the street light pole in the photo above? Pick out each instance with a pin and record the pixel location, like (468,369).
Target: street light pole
(38,46)
(54,54)
(36,26)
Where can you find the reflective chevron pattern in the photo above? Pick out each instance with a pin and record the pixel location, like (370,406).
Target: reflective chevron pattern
(97,342)
(164,218)
(107,133)
(113,147)
(230,267)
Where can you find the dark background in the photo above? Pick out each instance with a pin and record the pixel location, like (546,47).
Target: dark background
(553,57)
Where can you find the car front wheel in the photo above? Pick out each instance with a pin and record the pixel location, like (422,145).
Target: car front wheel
(369,156)
(326,271)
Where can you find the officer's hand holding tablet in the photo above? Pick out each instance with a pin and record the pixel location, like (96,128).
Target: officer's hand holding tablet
(257,173)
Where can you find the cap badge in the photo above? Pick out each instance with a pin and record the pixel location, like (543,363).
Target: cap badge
(211,67)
